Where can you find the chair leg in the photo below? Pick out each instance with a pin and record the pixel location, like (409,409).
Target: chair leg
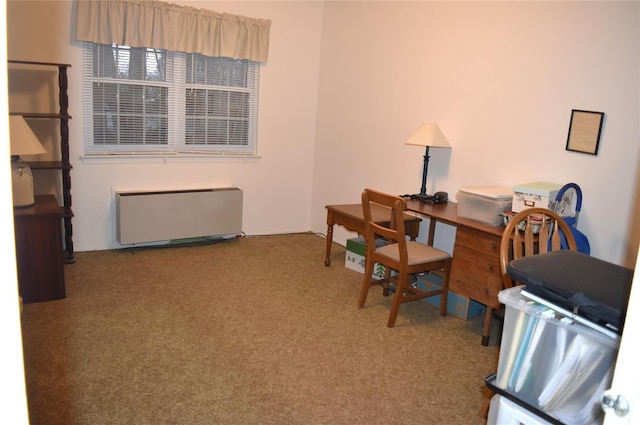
(397,299)
(386,281)
(486,403)
(443,302)
(364,290)
(366,282)
(445,289)
(487,326)
(487,395)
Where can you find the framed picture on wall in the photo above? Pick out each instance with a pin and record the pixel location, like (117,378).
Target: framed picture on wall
(584,131)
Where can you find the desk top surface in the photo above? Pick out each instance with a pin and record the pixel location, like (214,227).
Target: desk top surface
(446,213)
(355,210)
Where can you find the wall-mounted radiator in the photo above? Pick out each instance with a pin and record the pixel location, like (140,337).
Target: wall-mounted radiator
(177,214)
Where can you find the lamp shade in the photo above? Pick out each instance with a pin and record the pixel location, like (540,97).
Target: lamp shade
(23,140)
(428,135)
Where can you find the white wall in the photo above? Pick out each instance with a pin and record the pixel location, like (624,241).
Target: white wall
(347,82)
(13,397)
(277,187)
(500,78)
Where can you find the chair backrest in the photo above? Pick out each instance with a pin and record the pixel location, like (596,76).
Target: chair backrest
(392,230)
(530,232)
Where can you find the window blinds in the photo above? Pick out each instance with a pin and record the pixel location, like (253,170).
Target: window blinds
(152,101)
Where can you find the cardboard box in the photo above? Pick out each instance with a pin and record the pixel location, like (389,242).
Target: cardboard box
(484,203)
(457,305)
(355,256)
(534,195)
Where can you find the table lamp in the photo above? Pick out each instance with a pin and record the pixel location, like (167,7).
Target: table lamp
(430,136)
(23,142)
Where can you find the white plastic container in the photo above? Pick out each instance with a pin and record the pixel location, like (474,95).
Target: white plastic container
(552,363)
(505,412)
(484,203)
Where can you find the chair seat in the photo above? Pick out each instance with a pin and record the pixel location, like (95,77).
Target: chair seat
(418,253)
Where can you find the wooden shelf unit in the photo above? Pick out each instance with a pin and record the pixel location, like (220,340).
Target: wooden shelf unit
(64,165)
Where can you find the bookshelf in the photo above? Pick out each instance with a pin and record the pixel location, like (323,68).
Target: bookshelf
(61,164)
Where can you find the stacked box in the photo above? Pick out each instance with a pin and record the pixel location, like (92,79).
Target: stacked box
(534,195)
(457,305)
(355,256)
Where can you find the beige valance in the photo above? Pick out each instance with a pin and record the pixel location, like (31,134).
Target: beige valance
(161,25)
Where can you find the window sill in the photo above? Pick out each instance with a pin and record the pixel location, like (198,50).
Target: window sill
(165,158)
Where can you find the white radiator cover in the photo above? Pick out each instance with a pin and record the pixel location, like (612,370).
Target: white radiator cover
(152,216)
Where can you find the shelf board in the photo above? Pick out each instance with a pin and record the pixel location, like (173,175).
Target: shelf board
(37,63)
(66,212)
(40,115)
(48,165)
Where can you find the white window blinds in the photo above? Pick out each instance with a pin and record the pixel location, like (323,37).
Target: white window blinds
(143,100)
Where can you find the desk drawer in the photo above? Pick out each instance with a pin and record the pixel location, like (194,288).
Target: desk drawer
(476,267)
(479,241)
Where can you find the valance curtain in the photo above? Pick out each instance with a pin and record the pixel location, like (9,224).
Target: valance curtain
(161,25)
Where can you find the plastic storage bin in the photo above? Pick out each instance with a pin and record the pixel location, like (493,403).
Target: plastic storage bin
(550,362)
(505,412)
(484,203)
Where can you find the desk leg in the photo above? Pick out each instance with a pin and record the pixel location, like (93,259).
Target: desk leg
(487,327)
(412,230)
(327,256)
(432,231)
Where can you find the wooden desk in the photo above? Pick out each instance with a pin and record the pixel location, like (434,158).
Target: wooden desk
(38,232)
(475,270)
(351,217)
(448,213)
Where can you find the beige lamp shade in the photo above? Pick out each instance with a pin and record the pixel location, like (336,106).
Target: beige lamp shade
(428,135)
(23,140)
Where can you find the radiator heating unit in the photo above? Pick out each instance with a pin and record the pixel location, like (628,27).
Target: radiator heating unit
(154,216)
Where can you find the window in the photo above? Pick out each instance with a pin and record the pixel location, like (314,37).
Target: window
(142,100)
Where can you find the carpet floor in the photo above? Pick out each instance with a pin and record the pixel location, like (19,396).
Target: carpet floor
(248,331)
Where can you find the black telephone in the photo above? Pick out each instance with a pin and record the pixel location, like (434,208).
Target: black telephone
(440,198)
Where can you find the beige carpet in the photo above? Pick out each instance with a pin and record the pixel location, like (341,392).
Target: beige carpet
(248,331)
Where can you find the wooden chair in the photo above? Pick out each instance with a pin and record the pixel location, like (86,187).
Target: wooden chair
(405,257)
(530,232)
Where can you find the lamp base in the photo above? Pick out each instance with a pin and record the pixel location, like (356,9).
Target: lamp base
(22,182)
(427,199)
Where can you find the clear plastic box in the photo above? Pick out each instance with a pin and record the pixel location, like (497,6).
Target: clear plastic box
(484,203)
(504,412)
(552,363)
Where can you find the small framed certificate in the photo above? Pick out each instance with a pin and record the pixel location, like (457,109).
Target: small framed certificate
(584,131)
